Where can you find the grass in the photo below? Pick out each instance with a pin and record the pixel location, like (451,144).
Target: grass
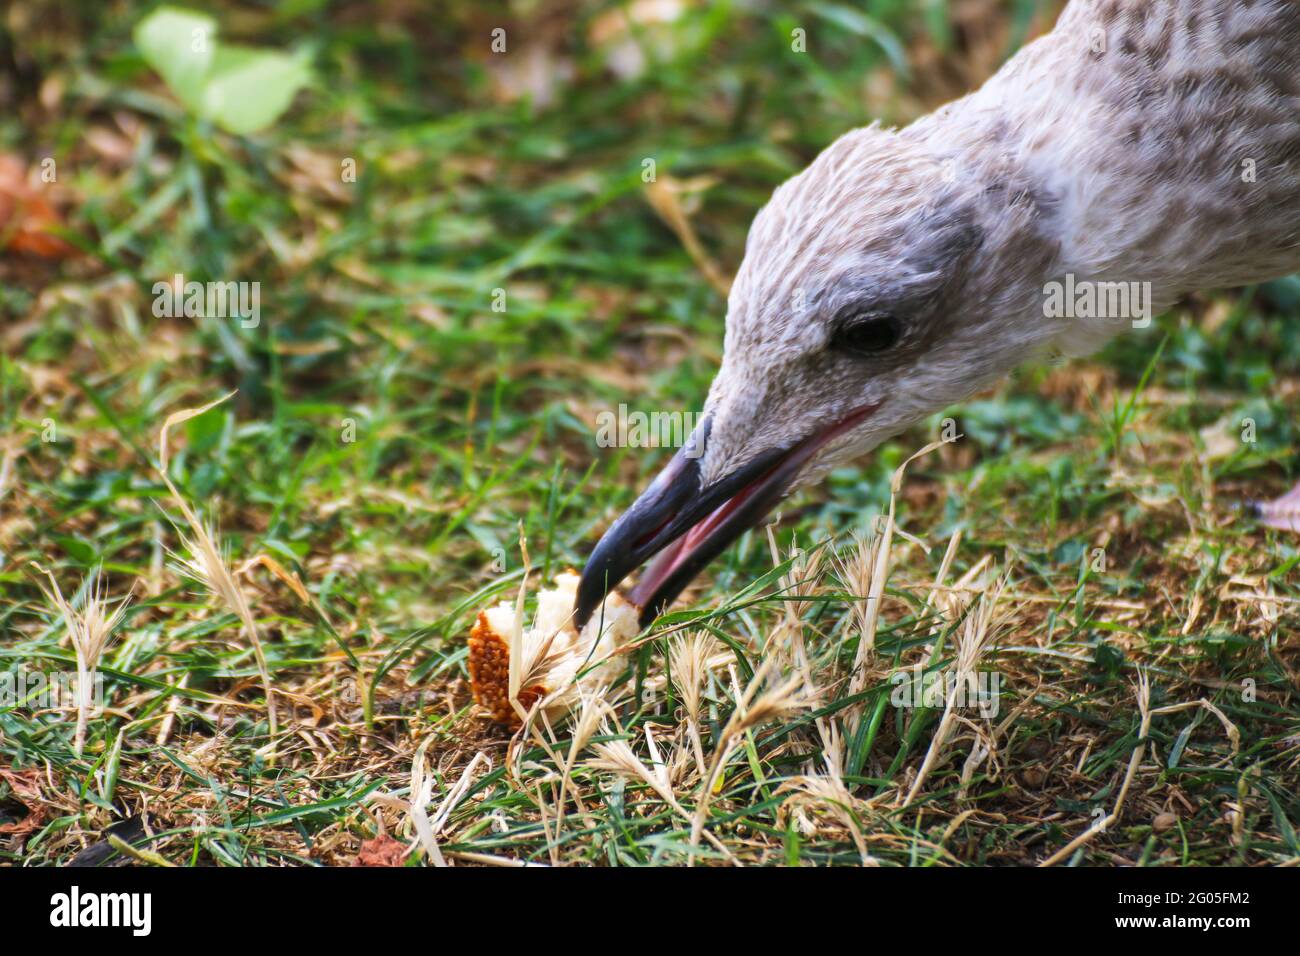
(393,436)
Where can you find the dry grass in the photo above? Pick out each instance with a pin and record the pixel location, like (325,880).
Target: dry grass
(207,563)
(89,631)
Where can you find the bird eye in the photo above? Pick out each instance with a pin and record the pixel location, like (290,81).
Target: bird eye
(867,334)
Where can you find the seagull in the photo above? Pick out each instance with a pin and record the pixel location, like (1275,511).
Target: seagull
(1144,145)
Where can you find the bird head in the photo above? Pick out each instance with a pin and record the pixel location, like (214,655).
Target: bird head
(880,285)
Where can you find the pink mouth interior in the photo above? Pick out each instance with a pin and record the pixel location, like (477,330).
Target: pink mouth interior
(671,557)
(675,554)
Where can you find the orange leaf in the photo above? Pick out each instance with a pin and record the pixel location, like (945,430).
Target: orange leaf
(383,850)
(26,787)
(27,220)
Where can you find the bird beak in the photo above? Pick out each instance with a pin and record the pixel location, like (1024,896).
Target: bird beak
(688,525)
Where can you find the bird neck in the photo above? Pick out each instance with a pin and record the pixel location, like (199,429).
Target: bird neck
(1158,141)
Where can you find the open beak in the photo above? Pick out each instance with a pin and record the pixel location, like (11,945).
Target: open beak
(687,525)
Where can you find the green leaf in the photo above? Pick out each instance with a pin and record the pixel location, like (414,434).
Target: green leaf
(77,549)
(248,89)
(203,432)
(1176,753)
(180,45)
(240,89)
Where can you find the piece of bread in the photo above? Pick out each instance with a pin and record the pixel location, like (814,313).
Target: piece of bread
(557,662)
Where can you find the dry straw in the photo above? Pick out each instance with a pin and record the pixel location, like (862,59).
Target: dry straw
(828,792)
(663,194)
(89,630)
(688,659)
(617,755)
(1143,694)
(752,709)
(866,574)
(208,565)
(421,794)
(591,710)
(973,637)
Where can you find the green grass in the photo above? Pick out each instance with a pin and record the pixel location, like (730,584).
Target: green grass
(471,425)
